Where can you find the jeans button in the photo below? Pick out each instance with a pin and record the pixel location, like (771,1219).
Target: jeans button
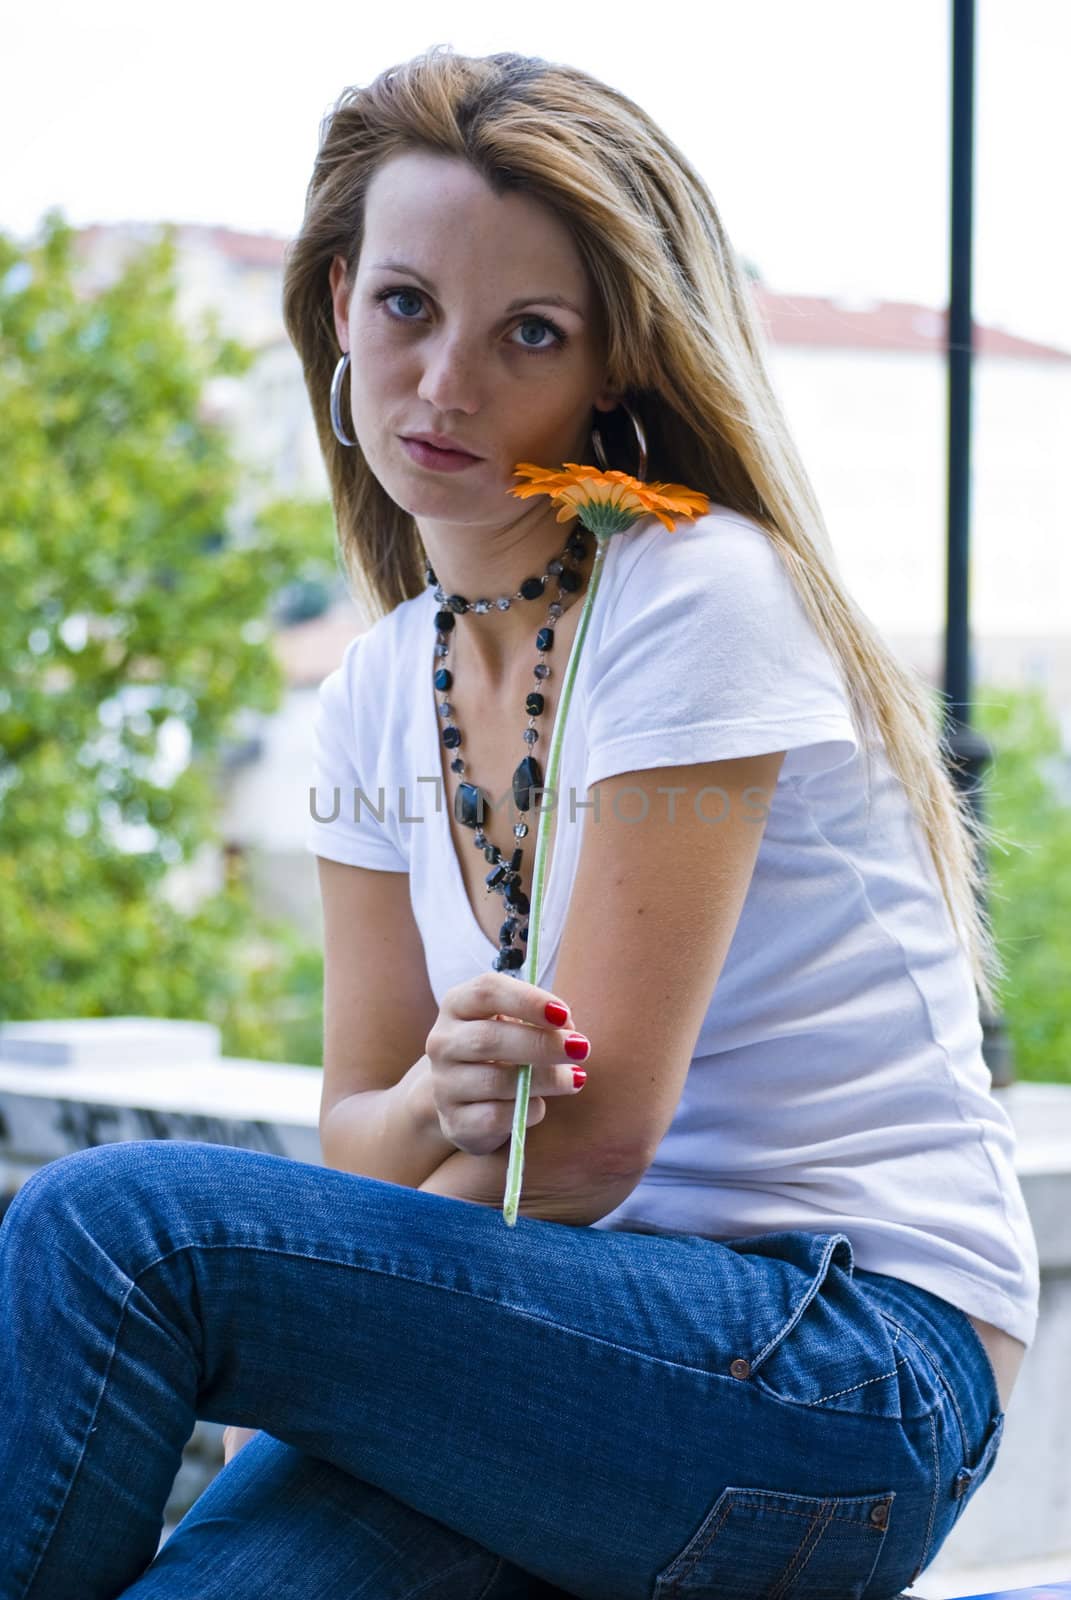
(879,1514)
(740,1368)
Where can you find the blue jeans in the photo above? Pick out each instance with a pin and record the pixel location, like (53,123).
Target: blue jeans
(456,1409)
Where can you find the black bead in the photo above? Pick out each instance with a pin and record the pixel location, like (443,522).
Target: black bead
(569,581)
(495,876)
(458,765)
(515,859)
(534,705)
(577,547)
(444,621)
(528,775)
(431,574)
(507,930)
(451,737)
(468,805)
(491,852)
(532,588)
(457,602)
(444,679)
(523,935)
(545,639)
(512,960)
(517,898)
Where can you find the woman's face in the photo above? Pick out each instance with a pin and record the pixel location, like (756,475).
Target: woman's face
(473,316)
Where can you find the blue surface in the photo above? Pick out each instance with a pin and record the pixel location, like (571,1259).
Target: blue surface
(1035,1592)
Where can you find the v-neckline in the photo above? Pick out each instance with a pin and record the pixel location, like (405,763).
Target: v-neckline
(478,940)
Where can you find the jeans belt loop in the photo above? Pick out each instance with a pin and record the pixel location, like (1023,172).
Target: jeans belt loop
(966,1475)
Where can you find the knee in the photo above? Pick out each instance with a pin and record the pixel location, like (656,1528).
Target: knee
(116,1193)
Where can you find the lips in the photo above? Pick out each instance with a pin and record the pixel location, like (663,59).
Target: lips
(440,441)
(432,459)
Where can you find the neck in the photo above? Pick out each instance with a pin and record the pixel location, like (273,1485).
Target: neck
(499,646)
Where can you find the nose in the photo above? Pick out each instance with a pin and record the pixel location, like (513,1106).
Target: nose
(451,380)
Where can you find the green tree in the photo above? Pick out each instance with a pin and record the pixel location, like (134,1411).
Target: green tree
(136,618)
(1028,802)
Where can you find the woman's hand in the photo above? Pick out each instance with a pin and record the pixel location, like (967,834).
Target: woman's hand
(233,1440)
(487,1027)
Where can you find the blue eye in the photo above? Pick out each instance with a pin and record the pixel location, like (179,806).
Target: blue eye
(560,336)
(399,294)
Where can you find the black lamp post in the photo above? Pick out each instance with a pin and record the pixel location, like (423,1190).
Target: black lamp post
(971,753)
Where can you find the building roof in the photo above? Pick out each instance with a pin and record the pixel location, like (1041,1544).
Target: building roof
(840,323)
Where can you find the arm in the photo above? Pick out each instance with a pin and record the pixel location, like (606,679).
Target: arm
(670,892)
(376,1112)
(482,1181)
(392,1134)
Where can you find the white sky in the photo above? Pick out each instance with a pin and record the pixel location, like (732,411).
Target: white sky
(821,126)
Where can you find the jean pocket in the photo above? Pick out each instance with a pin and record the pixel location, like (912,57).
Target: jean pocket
(763,1544)
(836,1351)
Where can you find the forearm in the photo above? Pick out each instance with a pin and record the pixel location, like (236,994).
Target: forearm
(392,1134)
(482,1181)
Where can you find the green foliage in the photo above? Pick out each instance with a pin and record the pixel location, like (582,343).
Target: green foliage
(1028,801)
(133,607)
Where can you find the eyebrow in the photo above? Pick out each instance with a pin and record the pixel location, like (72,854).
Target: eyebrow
(514,305)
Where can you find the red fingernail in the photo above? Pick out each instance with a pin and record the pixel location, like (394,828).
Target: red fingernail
(557,1014)
(577,1047)
(580,1077)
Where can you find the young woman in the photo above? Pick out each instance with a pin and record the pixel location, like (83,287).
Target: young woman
(757,1326)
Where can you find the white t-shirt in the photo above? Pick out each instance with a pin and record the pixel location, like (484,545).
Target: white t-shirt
(837,1083)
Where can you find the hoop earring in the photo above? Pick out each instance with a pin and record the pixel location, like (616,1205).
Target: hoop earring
(336,395)
(641,444)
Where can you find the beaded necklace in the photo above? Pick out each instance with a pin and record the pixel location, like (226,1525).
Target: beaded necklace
(504,877)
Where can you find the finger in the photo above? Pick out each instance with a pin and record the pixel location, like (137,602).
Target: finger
(498,1041)
(491,994)
(481,1082)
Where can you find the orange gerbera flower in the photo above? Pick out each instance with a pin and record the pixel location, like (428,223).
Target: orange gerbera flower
(608,502)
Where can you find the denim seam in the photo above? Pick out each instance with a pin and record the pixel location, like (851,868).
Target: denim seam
(702,1547)
(809,1516)
(819,1524)
(933,1501)
(426,1283)
(985,1353)
(814,1288)
(973,1334)
(946,1386)
(458,1566)
(851,1390)
(57,1519)
(486,1590)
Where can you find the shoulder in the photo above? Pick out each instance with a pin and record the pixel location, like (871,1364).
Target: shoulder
(370,656)
(715,560)
(718,580)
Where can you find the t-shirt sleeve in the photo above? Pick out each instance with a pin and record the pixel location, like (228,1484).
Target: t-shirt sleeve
(348,816)
(708,654)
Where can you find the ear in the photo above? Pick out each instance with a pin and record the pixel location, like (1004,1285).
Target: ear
(606,401)
(340,301)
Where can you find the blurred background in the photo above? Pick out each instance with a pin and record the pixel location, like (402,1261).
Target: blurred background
(172,597)
(172,594)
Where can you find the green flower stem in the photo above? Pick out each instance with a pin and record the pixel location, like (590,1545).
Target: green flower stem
(515,1171)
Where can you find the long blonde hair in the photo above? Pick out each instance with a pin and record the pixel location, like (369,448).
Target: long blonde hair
(684,345)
